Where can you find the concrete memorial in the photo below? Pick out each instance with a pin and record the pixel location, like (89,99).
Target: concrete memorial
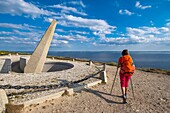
(38,58)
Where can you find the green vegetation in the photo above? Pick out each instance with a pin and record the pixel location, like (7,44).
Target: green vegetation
(12,53)
(6,52)
(111,63)
(159,71)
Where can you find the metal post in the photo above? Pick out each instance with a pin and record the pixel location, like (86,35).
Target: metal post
(114,81)
(132,88)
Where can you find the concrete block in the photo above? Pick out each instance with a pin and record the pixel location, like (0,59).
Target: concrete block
(22,63)
(3,100)
(103,77)
(90,63)
(94,83)
(19,108)
(78,88)
(14,108)
(43,99)
(5,65)
(38,58)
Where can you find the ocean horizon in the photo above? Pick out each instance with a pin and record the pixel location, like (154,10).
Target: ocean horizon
(142,59)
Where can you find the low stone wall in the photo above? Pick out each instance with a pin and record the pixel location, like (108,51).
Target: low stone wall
(5,65)
(20,108)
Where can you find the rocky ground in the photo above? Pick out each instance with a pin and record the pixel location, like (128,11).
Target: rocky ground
(152,95)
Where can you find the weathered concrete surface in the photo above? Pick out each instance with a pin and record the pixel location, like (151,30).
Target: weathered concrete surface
(103,77)
(22,63)
(20,108)
(5,65)
(3,100)
(12,108)
(38,58)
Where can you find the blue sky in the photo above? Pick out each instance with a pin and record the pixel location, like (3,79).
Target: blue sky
(86,25)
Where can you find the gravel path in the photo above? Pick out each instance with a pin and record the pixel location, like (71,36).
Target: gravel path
(152,95)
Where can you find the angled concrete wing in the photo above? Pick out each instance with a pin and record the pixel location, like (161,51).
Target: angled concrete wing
(38,58)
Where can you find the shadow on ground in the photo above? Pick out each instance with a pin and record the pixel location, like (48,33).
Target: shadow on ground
(48,66)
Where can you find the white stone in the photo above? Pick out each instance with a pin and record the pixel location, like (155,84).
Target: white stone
(90,63)
(3,100)
(103,77)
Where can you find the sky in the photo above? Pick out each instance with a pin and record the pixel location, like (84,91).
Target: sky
(86,25)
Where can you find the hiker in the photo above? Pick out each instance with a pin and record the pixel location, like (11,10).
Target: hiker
(126,71)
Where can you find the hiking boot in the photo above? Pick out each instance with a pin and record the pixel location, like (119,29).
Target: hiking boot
(124,98)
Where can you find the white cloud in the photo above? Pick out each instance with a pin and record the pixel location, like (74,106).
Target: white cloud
(168,20)
(66,9)
(138,5)
(125,12)
(168,24)
(114,41)
(71,37)
(63,37)
(60,30)
(78,3)
(33,35)
(141,35)
(81,38)
(16,40)
(20,34)
(101,27)
(78,32)
(151,22)
(82,4)
(17,26)
(48,19)
(5,33)
(9,38)
(149,34)
(59,41)
(72,31)
(20,7)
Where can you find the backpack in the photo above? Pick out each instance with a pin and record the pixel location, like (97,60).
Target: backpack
(127,66)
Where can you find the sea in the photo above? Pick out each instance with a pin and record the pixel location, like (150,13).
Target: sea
(142,59)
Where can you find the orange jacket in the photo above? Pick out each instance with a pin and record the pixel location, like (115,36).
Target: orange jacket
(126,64)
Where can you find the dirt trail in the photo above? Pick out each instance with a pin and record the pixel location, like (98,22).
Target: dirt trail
(152,95)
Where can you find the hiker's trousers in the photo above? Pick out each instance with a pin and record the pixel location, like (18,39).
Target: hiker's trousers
(124,79)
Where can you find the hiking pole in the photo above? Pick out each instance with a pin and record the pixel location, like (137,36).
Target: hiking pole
(132,88)
(114,81)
